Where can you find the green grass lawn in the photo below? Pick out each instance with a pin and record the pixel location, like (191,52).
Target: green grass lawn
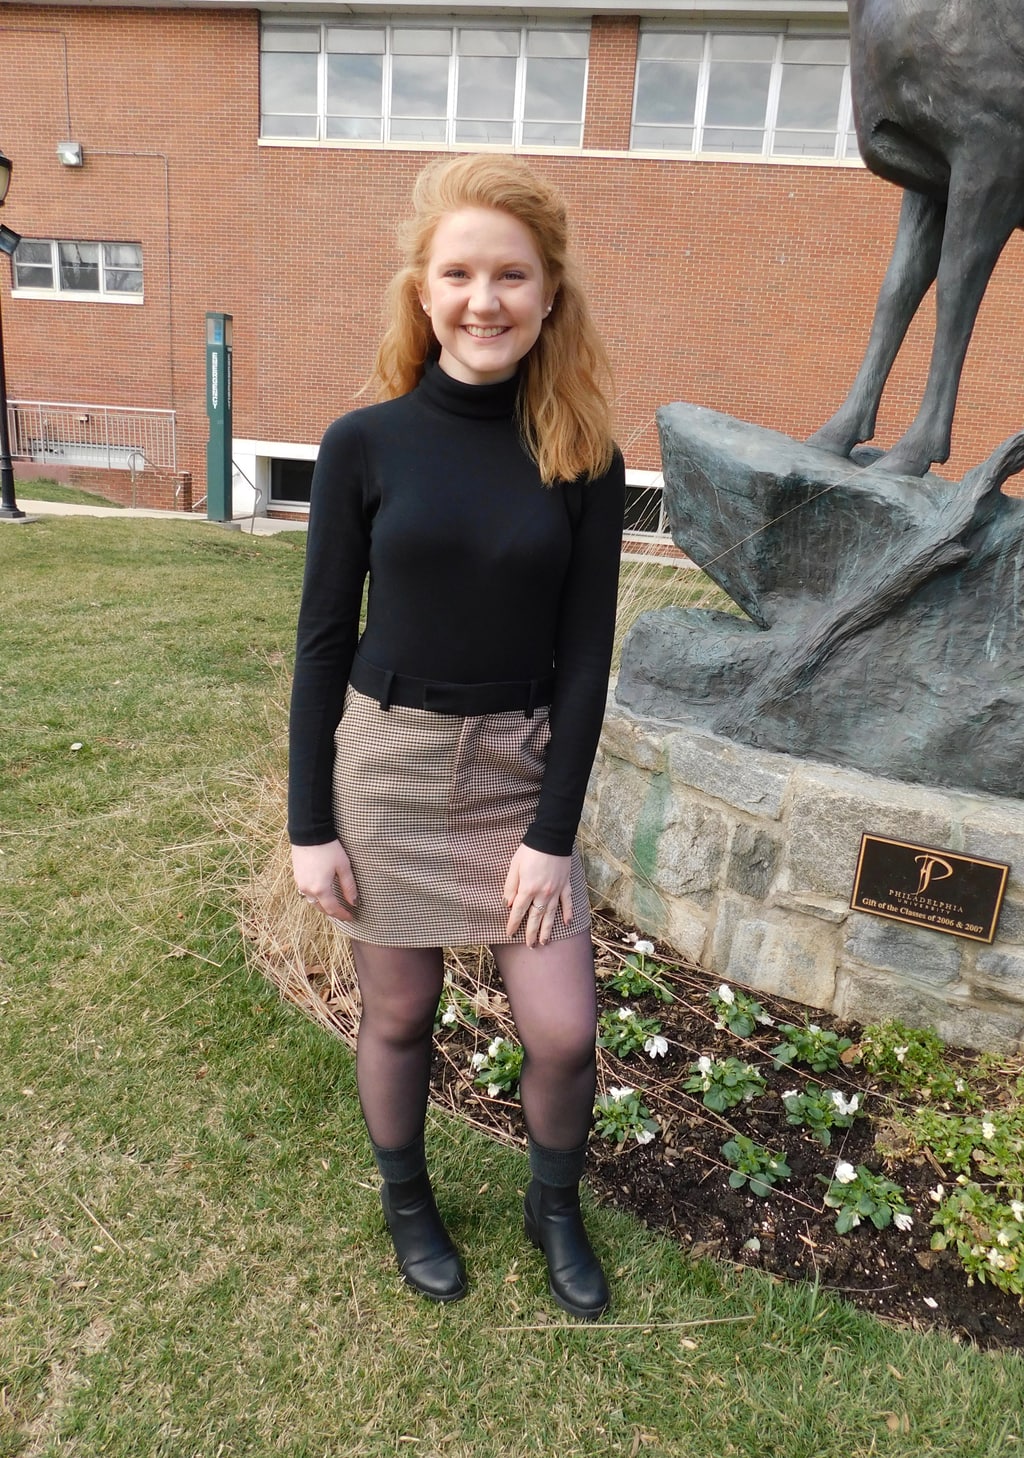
(192,1262)
(45,490)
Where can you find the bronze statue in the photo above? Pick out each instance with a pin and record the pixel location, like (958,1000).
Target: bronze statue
(938,97)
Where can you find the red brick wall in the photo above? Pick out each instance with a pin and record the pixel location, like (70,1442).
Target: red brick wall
(166,490)
(748,288)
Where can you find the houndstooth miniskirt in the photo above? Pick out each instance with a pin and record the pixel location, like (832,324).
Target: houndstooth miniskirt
(430,809)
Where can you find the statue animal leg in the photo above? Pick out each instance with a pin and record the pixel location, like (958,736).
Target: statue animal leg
(981,213)
(913,266)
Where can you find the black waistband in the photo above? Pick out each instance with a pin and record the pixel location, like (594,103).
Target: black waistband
(448,698)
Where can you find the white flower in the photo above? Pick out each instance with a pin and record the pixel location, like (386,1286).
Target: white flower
(726,993)
(644,1136)
(645,949)
(626,1014)
(618,1094)
(478,1060)
(1005,1237)
(997,1260)
(902,1220)
(931,1301)
(813,1028)
(988,1129)
(704,1064)
(766,1020)
(900,1053)
(493,1090)
(496,1045)
(845,1106)
(1017,1206)
(845,1174)
(960,1085)
(854,1220)
(450,1015)
(790,1093)
(937,1194)
(655,1046)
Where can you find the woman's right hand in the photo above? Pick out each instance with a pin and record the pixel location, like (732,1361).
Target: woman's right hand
(320,870)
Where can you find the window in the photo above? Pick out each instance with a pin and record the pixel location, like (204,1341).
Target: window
(774,95)
(290,482)
(79,270)
(498,84)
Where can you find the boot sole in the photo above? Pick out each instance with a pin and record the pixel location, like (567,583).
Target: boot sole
(442,1300)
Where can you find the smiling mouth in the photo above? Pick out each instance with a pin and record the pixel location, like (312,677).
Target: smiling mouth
(478,331)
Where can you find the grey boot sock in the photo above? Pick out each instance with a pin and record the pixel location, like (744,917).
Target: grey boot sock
(558,1167)
(398,1165)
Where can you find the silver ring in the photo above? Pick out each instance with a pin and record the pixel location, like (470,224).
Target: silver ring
(538,906)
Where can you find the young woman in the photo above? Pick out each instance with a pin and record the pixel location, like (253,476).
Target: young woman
(439,761)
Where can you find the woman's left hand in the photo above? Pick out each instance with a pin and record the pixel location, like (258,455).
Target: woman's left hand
(536,888)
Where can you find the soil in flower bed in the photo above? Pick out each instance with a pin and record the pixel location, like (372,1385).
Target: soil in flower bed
(679,1182)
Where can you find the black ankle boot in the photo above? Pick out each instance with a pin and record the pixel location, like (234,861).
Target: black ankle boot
(427,1258)
(553,1222)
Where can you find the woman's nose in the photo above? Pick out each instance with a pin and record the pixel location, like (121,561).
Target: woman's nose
(483,297)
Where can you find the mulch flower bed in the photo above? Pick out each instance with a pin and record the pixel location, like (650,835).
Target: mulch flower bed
(678,1182)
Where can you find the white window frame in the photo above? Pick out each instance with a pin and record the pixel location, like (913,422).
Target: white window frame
(844,132)
(454,27)
(101,295)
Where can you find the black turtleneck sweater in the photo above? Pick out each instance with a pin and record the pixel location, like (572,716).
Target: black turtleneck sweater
(478,573)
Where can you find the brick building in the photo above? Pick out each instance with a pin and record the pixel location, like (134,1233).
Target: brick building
(258,162)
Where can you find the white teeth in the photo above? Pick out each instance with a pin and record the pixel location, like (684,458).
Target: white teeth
(479,332)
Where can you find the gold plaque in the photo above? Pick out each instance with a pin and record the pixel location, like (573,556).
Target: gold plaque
(936,889)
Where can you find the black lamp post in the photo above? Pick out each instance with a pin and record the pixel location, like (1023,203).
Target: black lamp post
(9,240)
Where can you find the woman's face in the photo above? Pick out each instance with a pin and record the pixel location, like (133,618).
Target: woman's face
(485,292)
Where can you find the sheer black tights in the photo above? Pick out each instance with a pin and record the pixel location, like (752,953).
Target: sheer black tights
(553,1001)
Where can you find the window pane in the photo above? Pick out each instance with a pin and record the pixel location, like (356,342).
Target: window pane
(828,52)
(354,40)
(122,268)
(419,86)
(852,145)
(488,43)
(354,128)
(287,126)
(804,144)
(674,139)
(552,134)
(79,266)
(483,131)
(810,96)
(666,92)
(487,89)
(354,85)
(732,139)
(435,42)
(33,264)
(288,84)
(643,509)
(557,43)
(290,480)
(737,94)
(728,47)
(554,90)
(284,39)
(418,129)
(659,45)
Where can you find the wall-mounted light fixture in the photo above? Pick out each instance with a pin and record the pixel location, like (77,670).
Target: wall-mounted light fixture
(70,153)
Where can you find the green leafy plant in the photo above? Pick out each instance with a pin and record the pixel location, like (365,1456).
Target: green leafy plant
(989,1143)
(499,1068)
(821,1110)
(621,1114)
(623,1031)
(819,1048)
(986,1233)
(737,1011)
(753,1165)
(636,979)
(858,1195)
(914,1060)
(724,1083)
(454,1008)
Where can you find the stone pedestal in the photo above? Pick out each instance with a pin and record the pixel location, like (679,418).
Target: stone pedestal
(744,859)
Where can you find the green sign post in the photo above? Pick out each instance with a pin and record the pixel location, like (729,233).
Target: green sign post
(218,410)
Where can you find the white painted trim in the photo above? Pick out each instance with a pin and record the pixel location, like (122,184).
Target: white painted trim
(622,154)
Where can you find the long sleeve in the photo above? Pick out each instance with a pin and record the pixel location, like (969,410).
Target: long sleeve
(337,561)
(583,651)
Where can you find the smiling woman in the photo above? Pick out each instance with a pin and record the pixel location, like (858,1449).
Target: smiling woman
(439,761)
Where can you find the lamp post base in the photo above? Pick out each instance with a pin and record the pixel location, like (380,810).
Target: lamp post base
(11,513)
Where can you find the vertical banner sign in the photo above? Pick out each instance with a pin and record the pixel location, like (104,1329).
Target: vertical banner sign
(218,410)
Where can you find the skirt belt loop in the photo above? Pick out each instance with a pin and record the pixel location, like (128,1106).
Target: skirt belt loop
(385,693)
(531,701)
